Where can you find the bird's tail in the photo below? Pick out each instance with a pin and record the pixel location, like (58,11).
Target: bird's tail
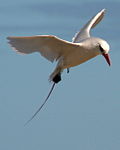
(42,104)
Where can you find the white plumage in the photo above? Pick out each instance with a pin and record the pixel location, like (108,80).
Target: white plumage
(68,54)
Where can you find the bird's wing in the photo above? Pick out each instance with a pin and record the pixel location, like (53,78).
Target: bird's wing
(85,31)
(50,47)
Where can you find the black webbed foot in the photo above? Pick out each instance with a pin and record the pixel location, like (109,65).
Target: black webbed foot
(68,70)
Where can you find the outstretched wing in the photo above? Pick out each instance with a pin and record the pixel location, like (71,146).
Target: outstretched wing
(49,46)
(85,31)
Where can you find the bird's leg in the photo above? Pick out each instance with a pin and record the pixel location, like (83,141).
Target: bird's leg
(68,70)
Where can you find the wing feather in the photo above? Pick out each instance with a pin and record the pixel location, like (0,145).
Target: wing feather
(50,47)
(85,31)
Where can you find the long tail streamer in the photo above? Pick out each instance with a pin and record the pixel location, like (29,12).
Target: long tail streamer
(42,104)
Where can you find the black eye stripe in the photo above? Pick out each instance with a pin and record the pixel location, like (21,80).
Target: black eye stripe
(101,49)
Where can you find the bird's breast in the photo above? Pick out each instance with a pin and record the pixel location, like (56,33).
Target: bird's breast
(77,58)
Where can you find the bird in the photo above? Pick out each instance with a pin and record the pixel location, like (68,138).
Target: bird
(82,48)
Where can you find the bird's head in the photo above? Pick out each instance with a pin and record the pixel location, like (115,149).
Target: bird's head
(104,49)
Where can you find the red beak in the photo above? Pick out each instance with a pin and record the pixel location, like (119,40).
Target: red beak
(107,57)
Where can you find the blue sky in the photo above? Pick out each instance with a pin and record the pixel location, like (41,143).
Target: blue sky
(83,110)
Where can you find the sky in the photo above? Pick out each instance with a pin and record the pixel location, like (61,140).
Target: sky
(84,108)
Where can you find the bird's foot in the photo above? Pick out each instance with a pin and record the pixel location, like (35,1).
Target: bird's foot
(68,70)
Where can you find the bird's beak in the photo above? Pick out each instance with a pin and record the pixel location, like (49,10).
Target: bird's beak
(107,57)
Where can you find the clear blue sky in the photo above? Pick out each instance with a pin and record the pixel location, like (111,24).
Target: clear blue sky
(83,112)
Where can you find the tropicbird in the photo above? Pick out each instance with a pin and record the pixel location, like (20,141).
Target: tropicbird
(67,54)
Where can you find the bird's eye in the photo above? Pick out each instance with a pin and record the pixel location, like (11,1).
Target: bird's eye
(101,49)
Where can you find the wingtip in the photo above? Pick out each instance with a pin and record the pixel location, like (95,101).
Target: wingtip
(8,38)
(11,45)
(103,10)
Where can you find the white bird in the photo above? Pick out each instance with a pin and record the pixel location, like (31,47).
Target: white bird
(68,54)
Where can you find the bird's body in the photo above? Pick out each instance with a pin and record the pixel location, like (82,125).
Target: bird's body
(81,54)
(68,54)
